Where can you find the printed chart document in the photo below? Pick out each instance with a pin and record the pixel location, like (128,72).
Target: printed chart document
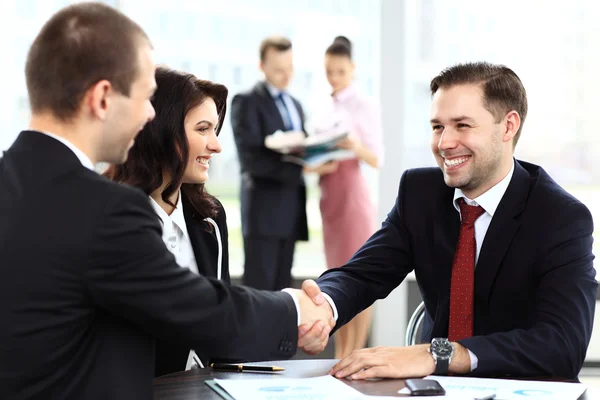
(311,151)
(320,388)
(505,389)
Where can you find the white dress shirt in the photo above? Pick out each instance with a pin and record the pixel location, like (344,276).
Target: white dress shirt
(289,103)
(489,201)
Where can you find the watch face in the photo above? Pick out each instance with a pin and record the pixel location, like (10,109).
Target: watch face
(441,348)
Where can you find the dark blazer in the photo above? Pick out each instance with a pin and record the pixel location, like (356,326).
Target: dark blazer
(171,356)
(272,193)
(204,240)
(535,286)
(86,285)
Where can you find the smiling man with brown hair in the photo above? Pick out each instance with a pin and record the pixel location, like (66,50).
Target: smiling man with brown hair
(502,254)
(86,282)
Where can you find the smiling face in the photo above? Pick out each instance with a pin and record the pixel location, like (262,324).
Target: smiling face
(127,115)
(201,124)
(473,150)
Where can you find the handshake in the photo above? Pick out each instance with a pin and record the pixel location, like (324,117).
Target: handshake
(316,318)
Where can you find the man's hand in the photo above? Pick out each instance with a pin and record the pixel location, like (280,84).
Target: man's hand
(316,318)
(314,340)
(386,362)
(397,362)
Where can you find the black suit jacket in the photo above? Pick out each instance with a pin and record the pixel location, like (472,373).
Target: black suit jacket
(535,286)
(204,240)
(272,193)
(171,356)
(86,285)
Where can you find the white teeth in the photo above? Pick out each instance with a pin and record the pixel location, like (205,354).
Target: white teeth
(203,161)
(455,162)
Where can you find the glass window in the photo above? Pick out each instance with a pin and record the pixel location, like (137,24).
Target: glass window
(218,41)
(557,63)
(237,75)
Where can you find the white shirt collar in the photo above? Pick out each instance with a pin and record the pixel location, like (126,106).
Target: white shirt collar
(176,216)
(83,158)
(490,200)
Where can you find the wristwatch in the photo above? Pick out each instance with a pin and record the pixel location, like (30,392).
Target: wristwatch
(441,350)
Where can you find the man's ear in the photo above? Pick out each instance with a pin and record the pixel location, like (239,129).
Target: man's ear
(512,123)
(98,99)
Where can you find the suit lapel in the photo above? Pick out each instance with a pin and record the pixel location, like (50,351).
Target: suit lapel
(500,233)
(270,105)
(198,235)
(300,113)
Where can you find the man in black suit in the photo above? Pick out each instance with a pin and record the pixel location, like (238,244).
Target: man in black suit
(502,254)
(272,193)
(86,283)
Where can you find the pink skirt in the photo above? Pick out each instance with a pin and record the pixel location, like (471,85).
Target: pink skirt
(347,212)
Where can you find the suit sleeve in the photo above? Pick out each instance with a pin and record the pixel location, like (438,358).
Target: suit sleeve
(378,267)
(249,135)
(133,275)
(556,343)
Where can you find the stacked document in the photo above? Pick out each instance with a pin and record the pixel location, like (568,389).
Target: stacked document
(329,388)
(321,388)
(310,151)
(286,142)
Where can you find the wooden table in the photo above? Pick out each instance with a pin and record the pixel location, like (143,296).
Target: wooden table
(190,385)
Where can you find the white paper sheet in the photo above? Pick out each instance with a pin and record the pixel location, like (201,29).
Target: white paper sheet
(505,389)
(320,388)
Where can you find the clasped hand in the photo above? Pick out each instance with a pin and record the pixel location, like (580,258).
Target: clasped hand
(316,318)
(390,362)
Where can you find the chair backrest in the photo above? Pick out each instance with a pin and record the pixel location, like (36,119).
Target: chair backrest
(412,330)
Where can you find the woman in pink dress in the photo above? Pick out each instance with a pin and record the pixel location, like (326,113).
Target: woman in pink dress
(347,209)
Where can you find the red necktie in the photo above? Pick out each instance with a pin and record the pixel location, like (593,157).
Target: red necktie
(463,273)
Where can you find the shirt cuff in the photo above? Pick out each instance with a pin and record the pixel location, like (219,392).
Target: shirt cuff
(474,360)
(332,304)
(296,303)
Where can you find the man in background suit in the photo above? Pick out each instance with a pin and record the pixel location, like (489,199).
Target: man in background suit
(502,254)
(86,283)
(272,193)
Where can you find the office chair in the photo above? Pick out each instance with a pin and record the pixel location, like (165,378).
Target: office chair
(414,324)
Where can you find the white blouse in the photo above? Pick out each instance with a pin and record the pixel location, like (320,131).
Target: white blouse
(177,239)
(175,235)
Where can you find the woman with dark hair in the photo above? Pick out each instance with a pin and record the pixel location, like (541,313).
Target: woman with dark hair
(170,161)
(347,210)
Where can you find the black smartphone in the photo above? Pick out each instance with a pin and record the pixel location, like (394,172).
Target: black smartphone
(424,387)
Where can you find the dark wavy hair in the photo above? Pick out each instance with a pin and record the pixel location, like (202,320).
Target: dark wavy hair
(162,145)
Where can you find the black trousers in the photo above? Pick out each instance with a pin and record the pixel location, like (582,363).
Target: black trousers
(268,262)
